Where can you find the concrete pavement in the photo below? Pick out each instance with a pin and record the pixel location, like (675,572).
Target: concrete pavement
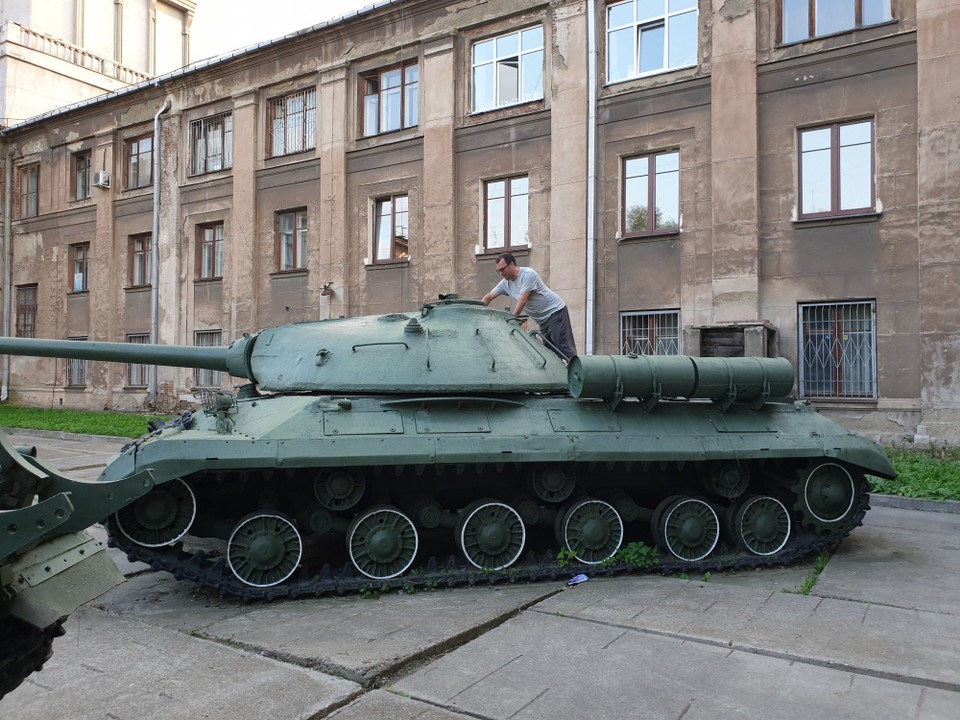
(878,637)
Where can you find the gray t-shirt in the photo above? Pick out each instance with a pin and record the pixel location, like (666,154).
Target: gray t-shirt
(543,301)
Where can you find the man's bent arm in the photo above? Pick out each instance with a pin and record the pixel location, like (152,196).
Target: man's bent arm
(521,301)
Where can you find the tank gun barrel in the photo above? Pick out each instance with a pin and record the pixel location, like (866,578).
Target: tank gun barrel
(232,359)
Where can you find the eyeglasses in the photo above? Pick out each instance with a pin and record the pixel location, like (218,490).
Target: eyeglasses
(501,269)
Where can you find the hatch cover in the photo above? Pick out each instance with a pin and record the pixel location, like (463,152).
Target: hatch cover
(388,422)
(452,420)
(584,419)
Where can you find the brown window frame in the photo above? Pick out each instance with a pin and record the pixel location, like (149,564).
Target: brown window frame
(215,246)
(812,21)
(29,190)
(81,175)
(508,243)
(307,126)
(80,265)
(27,303)
(138,372)
(299,263)
(400,243)
(406,87)
(652,228)
(144,279)
(835,171)
(132,149)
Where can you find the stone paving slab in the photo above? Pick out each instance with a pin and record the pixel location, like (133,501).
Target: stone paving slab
(541,665)
(382,705)
(111,667)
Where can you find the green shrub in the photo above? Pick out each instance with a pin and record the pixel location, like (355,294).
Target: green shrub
(932,473)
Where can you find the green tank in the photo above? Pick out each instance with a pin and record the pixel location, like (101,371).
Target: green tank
(450,446)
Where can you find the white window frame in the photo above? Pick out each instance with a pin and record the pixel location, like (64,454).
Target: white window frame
(208,338)
(525,54)
(211,144)
(662,19)
(77,369)
(292,129)
(833,358)
(296,238)
(385,210)
(655,325)
(137,373)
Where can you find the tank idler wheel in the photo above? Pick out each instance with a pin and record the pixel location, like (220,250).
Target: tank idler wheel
(490,534)
(591,529)
(264,549)
(687,527)
(552,483)
(762,525)
(339,490)
(382,542)
(826,496)
(161,517)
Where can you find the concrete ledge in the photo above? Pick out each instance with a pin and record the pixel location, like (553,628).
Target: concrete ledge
(895,501)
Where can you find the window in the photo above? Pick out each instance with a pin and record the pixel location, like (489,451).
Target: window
(650,333)
(836,169)
(651,181)
(140,248)
(645,37)
(505,223)
(26,311)
(292,240)
(139,162)
(391,232)
(137,372)
(293,123)
(211,144)
(77,369)
(838,346)
(29,190)
(80,264)
(210,248)
(207,338)
(390,99)
(81,176)
(827,17)
(508,69)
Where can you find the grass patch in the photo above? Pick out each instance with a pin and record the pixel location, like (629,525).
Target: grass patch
(931,473)
(807,585)
(85,422)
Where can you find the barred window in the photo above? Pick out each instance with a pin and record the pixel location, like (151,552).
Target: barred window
(137,372)
(80,263)
(838,349)
(208,338)
(391,233)
(508,69)
(211,144)
(27,311)
(77,369)
(655,332)
(293,123)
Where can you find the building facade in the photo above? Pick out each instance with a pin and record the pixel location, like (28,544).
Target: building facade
(711,178)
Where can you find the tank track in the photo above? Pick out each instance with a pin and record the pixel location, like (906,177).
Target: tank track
(211,571)
(24,649)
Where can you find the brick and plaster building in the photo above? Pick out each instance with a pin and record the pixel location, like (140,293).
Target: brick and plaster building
(712,177)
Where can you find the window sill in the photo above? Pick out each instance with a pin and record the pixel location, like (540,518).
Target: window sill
(75,388)
(135,388)
(208,281)
(658,235)
(75,293)
(812,38)
(650,74)
(295,272)
(137,288)
(405,262)
(829,220)
(210,175)
(518,251)
(838,403)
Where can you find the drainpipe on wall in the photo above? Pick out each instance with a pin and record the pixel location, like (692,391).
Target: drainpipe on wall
(591,171)
(7,264)
(155,253)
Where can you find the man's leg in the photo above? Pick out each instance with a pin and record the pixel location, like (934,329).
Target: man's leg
(559,332)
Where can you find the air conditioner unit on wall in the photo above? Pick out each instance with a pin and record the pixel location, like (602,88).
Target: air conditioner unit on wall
(101,179)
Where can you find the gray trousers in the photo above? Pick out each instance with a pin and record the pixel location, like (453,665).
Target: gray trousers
(559,333)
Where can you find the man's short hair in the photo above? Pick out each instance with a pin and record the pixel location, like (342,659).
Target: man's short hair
(508,258)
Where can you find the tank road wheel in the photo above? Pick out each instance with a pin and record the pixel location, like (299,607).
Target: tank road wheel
(491,534)
(264,549)
(382,542)
(762,525)
(161,517)
(339,490)
(687,527)
(826,496)
(552,483)
(591,529)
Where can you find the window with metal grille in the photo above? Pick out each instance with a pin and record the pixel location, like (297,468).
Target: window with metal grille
(137,372)
(390,99)
(838,350)
(803,19)
(139,268)
(836,169)
(651,181)
(77,369)
(645,37)
(27,311)
(211,144)
(81,175)
(506,217)
(292,240)
(208,338)
(80,263)
(293,123)
(210,249)
(30,190)
(391,232)
(655,332)
(508,69)
(139,162)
